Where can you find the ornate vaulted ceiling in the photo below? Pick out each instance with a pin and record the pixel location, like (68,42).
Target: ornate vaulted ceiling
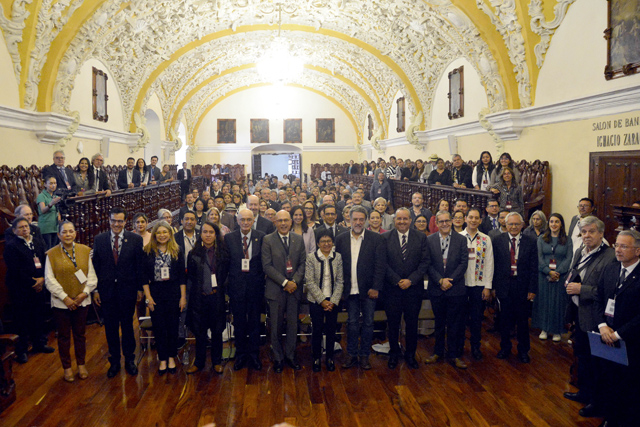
(359,54)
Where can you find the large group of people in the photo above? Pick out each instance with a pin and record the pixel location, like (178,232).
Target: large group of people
(335,246)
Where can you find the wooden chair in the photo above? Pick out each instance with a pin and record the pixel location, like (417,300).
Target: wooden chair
(7,384)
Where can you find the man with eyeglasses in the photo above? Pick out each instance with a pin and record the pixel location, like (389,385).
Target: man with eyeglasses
(585,209)
(617,303)
(328,213)
(101,181)
(64,177)
(515,281)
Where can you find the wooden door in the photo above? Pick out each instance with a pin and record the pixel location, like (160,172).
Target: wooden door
(614,178)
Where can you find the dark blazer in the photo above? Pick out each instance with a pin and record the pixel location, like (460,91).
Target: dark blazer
(36,234)
(124,280)
(413,268)
(21,268)
(339,230)
(465,175)
(353,169)
(274,263)
(165,290)
(274,205)
(485,226)
(527,278)
(626,319)
(424,211)
(103,180)
(572,226)
(179,237)
(184,209)
(154,175)
(587,313)
(444,178)
(229,220)
(457,263)
(122,178)
(55,172)
(264,225)
(181,176)
(371,266)
(245,285)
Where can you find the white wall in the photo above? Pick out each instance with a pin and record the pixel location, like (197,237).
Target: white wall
(9,94)
(275,164)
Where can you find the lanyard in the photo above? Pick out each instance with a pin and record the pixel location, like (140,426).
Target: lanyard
(444,243)
(165,257)
(72,258)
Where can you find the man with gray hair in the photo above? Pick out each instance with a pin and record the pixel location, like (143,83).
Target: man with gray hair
(101,181)
(589,261)
(515,281)
(24,210)
(64,177)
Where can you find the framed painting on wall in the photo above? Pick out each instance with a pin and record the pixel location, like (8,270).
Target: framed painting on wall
(259,131)
(226,131)
(325,130)
(293,131)
(99,95)
(623,38)
(456,93)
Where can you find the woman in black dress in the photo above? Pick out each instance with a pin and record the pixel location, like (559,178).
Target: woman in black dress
(440,175)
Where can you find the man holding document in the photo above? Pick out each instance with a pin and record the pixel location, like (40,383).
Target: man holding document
(618,303)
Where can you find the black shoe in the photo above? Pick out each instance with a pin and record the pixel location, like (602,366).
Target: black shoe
(256,364)
(364,363)
(181,343)
(172,370)
(240,363)
(277,367)
(43,349)
(113,370)
(353,361)
(503,354)
(317,366)
(590,411)
(476,353)
(22,358)
(524,358)
(131,367)
(412,362)
(576,397)
(161,372)
(293,363)
(393,361)
(331,365)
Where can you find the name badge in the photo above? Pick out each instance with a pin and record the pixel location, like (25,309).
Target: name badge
(514,270)
(508,206)
(289,267)
(245,265)
(214,281)
(36,262)
(472,253)
(552,264)
(484,182)
(81,277)
(164,273)
(379,190)
(611,308)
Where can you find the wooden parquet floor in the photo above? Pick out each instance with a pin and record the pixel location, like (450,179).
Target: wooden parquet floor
(491,392)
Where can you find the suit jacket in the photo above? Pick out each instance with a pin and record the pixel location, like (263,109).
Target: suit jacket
(103,180)
(527,278)
(184,209)
(154,175)
(574,222)
(353,169)
(626,318)
(339,230)
(372,254)
(465,175)
(120,281)
(55,172)
(457,263)
(424,211)
(274,263)
(264,225)
(485,226)
(250,285)
(413,268)
(229,220)
(587,313)
(180,177)
(179,237)
(21,268)
(122,178)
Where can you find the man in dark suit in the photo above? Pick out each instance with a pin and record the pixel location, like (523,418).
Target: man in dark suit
(186,239)
(448,261)
(101,181)
(188,206)
(184,176)
(617,303)
(353,168)
(117,260)
(407,262)
(515,281)
(24,210)
(64,177)
(283,261)
(585,209)
(367,251)
(154,171)
(328,213)
(461,173)
(502,221)
(418,208)
(246,289)
(490,221)
(588,263)
(259,223)
(129,177)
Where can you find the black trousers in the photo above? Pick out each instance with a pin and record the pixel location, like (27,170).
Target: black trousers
(210,319)
(621,393)
(30,323)
(324,323)
(165,318)
(475,308)
(246,324)
(401,302)
(118,316)
(449,324)
(514,311)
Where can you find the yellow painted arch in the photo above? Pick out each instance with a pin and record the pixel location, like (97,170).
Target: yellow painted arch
(240,89)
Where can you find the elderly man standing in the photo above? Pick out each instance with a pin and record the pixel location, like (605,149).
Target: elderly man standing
(515,281)
(259,223)
(283,261)
(461,173)
(101,181)
(407,262)
(364,264)
(380,188)
(64,177)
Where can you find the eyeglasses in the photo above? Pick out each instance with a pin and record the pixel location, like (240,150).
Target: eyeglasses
(623,247)
(444,221)
(584,206)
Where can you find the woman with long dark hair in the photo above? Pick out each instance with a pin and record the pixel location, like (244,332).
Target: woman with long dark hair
(482,172)
(301,227)
(508,191)
(207,267)
(84,180)
(555,251)
(440,175)
(145,176)
(505,161)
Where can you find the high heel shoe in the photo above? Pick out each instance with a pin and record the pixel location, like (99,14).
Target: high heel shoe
(172,369)
(161,372)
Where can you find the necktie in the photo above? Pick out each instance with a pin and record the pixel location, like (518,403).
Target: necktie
(286,245)
(404,247)
(513,252)
(623,275)
(64,175)
(116,250)
(494,223)
(245,247)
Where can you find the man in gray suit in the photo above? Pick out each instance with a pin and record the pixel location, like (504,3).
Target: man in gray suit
(283,261)
(582,286)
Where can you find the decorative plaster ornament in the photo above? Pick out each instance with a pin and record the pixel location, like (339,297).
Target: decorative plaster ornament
(546,29)
(12,30)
